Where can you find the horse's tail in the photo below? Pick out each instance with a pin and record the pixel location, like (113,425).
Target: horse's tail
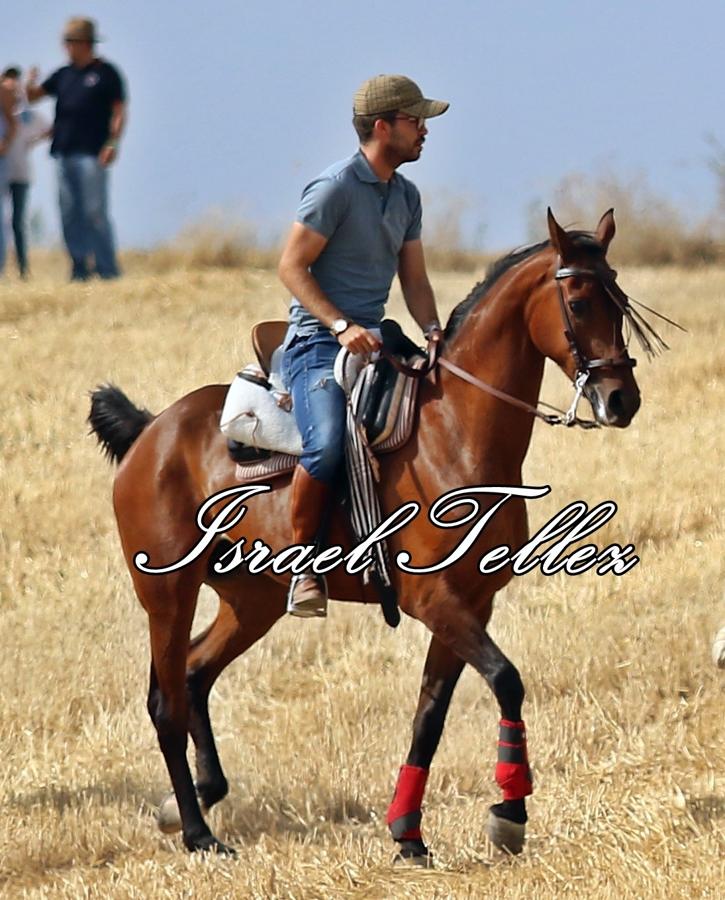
(115,421)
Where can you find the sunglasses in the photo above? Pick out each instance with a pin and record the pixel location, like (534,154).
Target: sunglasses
(418,121)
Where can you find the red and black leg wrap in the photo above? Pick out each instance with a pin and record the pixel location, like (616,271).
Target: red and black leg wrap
(513,774)
(404,813)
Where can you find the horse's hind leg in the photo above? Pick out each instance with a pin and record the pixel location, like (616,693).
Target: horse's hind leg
(240,622)
(440,676)
(170,604)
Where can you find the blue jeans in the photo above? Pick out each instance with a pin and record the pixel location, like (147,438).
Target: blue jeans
(19,195)
(319,402)
(3,191)
(83,195)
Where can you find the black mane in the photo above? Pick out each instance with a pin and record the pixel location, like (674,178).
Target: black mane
(582,239)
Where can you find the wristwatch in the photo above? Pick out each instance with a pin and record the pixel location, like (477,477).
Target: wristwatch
(338,326)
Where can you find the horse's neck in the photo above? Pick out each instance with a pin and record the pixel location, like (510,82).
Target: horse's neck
(493,344)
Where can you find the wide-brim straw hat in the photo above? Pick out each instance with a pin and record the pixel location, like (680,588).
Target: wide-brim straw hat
(395,93)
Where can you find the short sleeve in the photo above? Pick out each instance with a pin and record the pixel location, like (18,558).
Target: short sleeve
(323,206)
(416,211)
(50,85)
(118,89)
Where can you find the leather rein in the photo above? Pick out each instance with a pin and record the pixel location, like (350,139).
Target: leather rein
(583,364)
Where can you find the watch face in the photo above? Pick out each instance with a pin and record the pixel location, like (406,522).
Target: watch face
(339,325)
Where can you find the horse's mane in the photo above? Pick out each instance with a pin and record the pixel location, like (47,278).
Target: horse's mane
(582,239)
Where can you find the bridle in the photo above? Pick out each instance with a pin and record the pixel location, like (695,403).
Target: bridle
(607,280)
(584,365)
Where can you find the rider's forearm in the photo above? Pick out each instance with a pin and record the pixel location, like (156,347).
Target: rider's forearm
(304,286)
(421,303)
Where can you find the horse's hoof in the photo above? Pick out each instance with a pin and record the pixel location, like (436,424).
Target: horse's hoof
(209,844)
(168,817)
(418,861)
(504,834)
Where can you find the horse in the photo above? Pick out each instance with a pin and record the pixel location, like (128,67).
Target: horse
(558,300)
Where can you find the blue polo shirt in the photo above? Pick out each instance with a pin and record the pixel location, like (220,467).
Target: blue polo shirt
(366,222)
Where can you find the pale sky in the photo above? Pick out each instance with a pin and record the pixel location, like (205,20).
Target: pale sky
(236,105)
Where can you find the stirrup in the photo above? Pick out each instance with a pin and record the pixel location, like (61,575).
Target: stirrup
(312,603)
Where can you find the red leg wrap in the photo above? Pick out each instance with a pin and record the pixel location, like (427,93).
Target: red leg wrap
(404,813)
(513,774)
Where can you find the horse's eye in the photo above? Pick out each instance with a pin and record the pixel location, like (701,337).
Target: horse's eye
(579,307)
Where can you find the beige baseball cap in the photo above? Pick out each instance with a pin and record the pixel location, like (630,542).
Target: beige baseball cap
(80,29)
(394,93)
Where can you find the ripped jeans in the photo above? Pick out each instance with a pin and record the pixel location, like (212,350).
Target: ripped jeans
(319,402)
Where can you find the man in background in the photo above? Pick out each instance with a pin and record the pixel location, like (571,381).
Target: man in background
(89,119)
(7,133)
(31,127)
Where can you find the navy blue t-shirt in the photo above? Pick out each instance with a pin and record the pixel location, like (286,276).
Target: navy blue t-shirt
(85,103)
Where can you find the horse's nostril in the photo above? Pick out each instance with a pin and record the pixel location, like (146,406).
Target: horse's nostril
(623,405)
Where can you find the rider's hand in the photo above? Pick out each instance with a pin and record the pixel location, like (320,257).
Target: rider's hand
(433,333)
(357,339)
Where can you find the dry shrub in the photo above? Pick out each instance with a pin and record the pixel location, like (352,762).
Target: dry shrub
(651,229)
(217,241)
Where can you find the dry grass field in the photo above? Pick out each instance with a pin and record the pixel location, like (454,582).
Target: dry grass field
(624,706)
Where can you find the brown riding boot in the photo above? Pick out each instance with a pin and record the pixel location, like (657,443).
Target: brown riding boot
(308,592)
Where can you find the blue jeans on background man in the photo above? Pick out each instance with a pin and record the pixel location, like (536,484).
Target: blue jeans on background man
(19,197)
(83,194)
(319,402)
(3,191)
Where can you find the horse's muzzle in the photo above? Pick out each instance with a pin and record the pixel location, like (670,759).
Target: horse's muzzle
(613,405)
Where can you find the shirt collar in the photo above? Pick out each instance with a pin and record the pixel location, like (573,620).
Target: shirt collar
(363,169)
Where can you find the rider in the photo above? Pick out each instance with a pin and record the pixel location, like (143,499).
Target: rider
(357,223)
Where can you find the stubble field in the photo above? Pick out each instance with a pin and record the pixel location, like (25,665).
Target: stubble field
(624,707)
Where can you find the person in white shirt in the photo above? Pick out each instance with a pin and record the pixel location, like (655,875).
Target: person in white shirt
(31,127)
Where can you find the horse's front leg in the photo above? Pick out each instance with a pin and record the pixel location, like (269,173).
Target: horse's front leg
(463,632)
(440,676)
(507,820)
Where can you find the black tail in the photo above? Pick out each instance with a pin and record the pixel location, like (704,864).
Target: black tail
(115,421)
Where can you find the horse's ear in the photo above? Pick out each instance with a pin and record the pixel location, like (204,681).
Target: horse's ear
(605,229)
(560,240)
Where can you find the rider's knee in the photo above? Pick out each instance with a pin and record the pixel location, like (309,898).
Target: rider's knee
(324,460)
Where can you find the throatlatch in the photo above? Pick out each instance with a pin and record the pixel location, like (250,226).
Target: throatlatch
(513,774)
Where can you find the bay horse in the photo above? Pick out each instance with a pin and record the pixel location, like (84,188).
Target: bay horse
(558,300)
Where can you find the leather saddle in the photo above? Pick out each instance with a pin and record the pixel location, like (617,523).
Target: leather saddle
(381,393)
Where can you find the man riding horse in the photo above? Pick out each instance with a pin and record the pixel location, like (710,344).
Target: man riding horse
(357,224)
